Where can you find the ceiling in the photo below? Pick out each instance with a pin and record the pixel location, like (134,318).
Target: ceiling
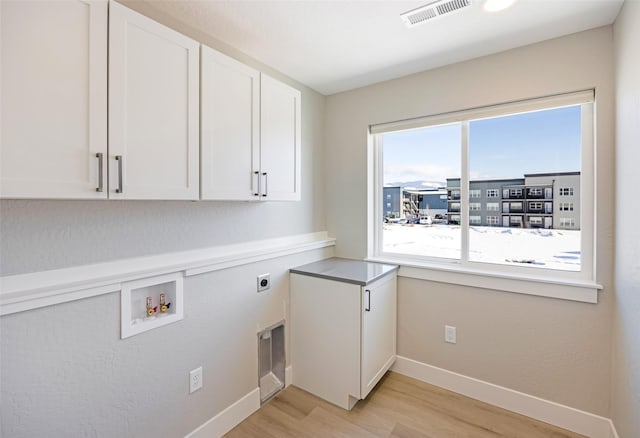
(334,46)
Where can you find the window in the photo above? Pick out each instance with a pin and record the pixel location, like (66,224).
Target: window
(535,191)
(566,191)
(388,204)
(535,220)
(515,193)
(541,144)
(568,222)
(515,206)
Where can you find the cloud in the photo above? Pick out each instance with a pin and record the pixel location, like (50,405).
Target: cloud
(433,174)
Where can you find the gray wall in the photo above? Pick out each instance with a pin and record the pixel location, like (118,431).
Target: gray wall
(553,349)
(66,373)
(626,315)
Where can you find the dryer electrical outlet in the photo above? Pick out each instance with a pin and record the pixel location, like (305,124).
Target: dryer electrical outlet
(264,282)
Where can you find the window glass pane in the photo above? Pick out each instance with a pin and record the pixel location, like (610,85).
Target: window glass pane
(530,162)
(416,166)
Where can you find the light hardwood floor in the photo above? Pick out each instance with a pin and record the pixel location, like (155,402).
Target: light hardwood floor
(399,407)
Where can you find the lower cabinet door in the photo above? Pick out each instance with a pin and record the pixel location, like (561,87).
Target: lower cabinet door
(378,331)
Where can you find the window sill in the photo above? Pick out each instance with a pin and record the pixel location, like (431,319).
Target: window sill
(582,291)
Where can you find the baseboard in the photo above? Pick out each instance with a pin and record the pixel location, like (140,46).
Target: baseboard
(228,418)
(288,376)
(613,433)
(575,420)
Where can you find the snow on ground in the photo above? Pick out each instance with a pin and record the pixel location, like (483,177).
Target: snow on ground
(550,249)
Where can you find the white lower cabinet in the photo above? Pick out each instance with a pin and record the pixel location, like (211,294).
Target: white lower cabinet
(343,335)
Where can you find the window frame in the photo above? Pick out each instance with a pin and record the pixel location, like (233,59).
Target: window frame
(573,285)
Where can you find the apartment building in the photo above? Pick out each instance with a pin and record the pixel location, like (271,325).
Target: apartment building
(401,202)
(540,200)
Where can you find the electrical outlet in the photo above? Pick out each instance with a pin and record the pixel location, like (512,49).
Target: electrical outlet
(195,380)
(264,282)
(450,334)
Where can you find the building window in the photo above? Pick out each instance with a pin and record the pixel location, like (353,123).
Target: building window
(388,204)
(535,191)
(388,196)
(535,220)
(446,150)
(568,222)
(566,191)
(515,206)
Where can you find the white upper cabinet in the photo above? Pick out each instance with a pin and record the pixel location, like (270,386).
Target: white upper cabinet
(230,128)
(250,133)
(53,99)
(280,140)
(153,109)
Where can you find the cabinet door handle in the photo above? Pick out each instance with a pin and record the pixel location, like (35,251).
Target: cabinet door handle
(119,189)
(368,307)
(257,184)
(100,187)
(266,187)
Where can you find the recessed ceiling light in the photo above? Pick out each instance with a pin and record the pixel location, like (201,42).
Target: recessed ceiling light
(497,5)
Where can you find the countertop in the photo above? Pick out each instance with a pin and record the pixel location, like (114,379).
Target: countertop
(346,270)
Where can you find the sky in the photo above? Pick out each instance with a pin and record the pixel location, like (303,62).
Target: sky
(501,147)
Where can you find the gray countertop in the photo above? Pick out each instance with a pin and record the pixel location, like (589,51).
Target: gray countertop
(346,270)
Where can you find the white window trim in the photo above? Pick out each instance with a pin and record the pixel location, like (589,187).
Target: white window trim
(576,286)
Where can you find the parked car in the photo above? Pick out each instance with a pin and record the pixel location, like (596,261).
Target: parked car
(425,220)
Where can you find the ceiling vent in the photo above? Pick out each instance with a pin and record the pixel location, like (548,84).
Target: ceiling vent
(433,10)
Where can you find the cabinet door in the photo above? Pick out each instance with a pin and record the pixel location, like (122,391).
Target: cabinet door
(279,140)
(230,119)
(153,109)
(378,331)
(53,95)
